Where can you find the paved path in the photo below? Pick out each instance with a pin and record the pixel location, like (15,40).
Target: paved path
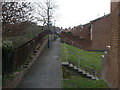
(46,71)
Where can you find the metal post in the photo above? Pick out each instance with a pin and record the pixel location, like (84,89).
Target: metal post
(78,63)
(72,43)
(66,58)
(65,40)
(48,27)
(95,71)
(54,30)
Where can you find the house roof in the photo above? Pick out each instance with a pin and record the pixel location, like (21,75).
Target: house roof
(98,19)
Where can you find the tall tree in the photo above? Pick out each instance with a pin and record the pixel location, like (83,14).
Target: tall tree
(42,9)
(14,13)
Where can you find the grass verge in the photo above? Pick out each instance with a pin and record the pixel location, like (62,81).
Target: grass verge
(81,82)
(73,80)
(90,56)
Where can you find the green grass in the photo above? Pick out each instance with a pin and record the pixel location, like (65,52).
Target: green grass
(73,79)
(92,57)
(81,82)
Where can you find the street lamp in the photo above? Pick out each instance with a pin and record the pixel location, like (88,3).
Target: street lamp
(54,30)
(48,25)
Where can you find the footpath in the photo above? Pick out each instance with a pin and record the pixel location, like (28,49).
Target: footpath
(46,71)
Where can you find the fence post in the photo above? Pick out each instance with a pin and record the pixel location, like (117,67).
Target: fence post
(78,63)
(65,40)
(95,71)
(72,43)
(66,58)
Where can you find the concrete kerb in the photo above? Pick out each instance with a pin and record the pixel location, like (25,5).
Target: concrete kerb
(18,77)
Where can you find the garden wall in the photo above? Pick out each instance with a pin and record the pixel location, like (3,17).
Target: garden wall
(83,43)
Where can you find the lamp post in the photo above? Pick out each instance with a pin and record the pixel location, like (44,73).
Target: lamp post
(54,30)
(48,25)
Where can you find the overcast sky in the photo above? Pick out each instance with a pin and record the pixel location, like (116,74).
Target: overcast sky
(72,13)
(75,12)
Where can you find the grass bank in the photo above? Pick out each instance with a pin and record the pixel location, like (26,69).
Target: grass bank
(90,56)
(73,80)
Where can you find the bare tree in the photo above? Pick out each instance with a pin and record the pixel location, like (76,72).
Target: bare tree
(14,13)
(43,9)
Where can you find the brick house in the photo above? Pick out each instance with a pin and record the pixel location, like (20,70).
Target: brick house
(81,31)
(111,58)
(103,34)
(97,31)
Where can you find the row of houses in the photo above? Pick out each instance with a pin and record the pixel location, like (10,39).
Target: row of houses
(96,31)
(102,34)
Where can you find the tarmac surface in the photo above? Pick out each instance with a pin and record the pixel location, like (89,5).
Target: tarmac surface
(46,71)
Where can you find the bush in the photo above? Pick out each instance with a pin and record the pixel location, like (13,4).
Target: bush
(69,32)
(7,63)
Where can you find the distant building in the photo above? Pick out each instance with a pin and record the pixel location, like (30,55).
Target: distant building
(97,31)
(66,30)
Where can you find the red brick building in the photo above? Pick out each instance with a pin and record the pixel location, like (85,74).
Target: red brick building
(103,34)
(97,31)
(82,31)
(111,59)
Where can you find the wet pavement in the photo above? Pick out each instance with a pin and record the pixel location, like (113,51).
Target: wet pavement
(46,71)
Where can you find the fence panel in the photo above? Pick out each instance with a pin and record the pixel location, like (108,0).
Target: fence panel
(20,54)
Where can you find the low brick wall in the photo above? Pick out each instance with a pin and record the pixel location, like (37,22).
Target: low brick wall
(83,43)
(19,75)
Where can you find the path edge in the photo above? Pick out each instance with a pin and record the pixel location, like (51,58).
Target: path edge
(18,77)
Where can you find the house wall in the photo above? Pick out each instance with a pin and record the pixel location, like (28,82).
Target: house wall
(111,60)
(101,29)
(101,33)
(82,32)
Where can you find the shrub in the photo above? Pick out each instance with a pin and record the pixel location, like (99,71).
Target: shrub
(69,32)
(7,63)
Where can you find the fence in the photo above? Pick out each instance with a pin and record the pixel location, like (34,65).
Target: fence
(88,66)
(71,42)
(82,63)
(20,55)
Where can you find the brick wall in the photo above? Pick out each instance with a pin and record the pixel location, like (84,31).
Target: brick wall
(101,33)
(101,29)
(111,61)
(82,32)
(119,45)
(83,43)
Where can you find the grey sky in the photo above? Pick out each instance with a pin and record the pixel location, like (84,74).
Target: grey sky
(76,12)
(71,13)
